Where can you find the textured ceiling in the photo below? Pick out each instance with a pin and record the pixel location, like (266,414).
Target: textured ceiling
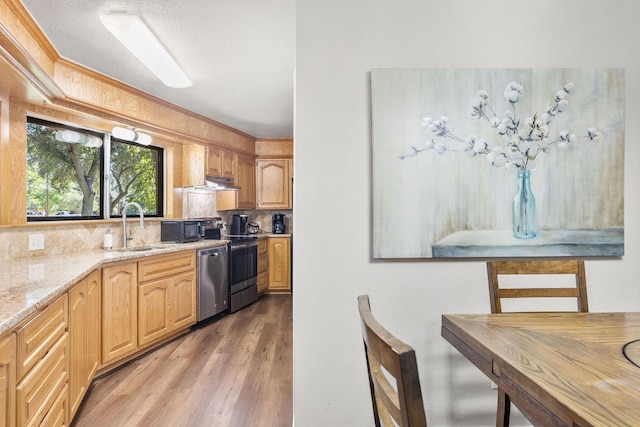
(240,54)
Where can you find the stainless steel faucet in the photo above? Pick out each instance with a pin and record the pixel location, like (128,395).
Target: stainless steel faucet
(124,222)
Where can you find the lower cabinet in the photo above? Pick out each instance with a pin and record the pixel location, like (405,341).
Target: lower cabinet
(165,306)
(119,310)
(43,367)
(8,381)
(145,301)
(84,337)
(263,265)
(279,254)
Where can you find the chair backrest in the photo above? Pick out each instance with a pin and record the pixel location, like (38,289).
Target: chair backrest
(389,359)
(574,267)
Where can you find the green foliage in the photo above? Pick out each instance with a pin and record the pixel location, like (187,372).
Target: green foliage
(61,176)
(133,177)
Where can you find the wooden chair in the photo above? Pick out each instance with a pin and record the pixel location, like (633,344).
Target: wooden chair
(388,358)
(496,294)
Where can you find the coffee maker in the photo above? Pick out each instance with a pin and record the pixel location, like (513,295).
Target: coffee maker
(278,224)
(239,224)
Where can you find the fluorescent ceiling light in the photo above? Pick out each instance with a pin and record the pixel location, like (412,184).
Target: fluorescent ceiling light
(132,32)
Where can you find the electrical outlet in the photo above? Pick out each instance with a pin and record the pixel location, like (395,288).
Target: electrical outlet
(36,242)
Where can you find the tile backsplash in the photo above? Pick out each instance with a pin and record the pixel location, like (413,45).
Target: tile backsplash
(86,236)
(67,238)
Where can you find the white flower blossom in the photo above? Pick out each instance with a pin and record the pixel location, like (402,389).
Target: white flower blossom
(513,92)
(518,147)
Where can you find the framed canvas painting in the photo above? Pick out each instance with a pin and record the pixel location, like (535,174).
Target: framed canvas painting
(486,163)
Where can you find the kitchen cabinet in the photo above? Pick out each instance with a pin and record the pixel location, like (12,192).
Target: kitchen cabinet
(84,336)
(193,164)
(273,183)
(263,272)
(145,301)
(43,366)
(221,162)
(245,198)
(279,254)
(8,381)
(166,295)
(119,310)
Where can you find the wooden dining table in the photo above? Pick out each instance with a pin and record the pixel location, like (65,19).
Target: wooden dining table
(559,369)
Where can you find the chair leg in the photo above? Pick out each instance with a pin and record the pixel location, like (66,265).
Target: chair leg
(504,409)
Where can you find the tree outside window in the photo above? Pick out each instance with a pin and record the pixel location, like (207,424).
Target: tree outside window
(65,174)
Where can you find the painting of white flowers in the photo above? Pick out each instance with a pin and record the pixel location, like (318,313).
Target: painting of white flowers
(497,163)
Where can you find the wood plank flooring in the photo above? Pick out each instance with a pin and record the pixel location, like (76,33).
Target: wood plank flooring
(234,372)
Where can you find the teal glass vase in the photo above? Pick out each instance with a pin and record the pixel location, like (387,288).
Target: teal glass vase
(524,208)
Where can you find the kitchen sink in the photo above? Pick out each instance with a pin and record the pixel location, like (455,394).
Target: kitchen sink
(139,249)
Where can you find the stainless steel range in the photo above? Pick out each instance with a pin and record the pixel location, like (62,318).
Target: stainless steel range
(243,271)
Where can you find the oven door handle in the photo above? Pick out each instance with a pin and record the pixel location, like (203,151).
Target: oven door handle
(243,245)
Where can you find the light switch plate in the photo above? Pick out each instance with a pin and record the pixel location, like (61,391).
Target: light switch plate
(36,242)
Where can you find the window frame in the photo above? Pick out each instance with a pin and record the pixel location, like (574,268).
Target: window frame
(105,174)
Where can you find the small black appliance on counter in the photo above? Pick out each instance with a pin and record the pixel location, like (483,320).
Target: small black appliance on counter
(278,224)
(239,224)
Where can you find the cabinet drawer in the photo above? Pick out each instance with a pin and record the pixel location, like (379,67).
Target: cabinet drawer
(57,415)
(37,336)
(262,263)
(262,246)
(161,266)
(42,386)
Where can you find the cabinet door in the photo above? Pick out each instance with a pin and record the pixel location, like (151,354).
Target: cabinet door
(214,161)
(273,183)
(279,264)
(247,182)
(193,168)
(78,344)
(84,337)
(8,381)
(183,301)
(229,164)
(119,310)
(94,325)
(153,311)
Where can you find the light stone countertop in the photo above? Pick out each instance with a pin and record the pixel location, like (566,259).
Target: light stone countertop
(27,284)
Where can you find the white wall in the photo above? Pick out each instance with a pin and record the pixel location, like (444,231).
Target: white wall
(338,43)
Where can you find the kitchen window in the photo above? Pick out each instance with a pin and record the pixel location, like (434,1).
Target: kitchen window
(69,168)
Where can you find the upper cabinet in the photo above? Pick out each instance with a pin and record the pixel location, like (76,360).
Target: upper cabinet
(245,198)
(193,161)
(222,162)
(273,183)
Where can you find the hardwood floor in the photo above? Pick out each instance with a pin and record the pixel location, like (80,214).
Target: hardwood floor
(234,372)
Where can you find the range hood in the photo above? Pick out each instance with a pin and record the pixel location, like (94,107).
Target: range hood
(213,182)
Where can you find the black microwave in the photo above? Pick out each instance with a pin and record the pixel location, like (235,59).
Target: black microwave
(181,231)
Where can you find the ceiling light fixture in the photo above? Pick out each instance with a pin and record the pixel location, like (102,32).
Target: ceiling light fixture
(73,137)
(129,134)
(132,32)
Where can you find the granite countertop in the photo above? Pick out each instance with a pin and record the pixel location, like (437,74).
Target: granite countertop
(27,284)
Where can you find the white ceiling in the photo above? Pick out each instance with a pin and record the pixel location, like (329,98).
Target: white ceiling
(240,54)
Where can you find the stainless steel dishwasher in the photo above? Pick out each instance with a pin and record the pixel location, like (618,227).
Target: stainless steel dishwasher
(213,282)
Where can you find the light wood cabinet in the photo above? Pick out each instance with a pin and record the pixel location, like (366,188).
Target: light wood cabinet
(273,183)
(193,164)
(229,164)
(221,162)
(84,337)
(245,198)
(279,265)
(42,356)
(263,265)
(119,310)
(8,381)
(165,306)
(146,301)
